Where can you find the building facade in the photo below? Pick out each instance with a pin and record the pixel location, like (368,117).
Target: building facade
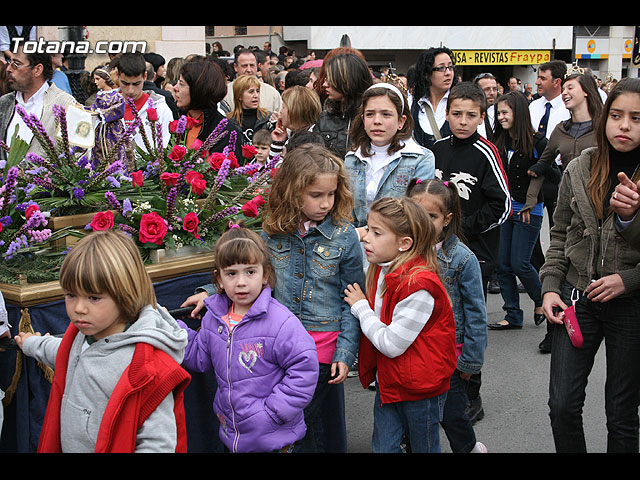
(502,50)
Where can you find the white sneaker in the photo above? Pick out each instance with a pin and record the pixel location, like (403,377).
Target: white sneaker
(479,448)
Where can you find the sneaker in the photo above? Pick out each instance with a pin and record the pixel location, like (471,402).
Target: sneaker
(354,371)
(494,286)
(479,448)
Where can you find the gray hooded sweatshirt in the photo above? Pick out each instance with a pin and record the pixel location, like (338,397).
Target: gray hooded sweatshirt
(93,372)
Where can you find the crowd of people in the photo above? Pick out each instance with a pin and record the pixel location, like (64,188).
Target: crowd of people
(399,204)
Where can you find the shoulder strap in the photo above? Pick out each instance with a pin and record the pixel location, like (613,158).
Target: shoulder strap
(432,121)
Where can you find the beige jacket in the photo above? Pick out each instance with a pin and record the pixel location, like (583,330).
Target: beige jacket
(53,96)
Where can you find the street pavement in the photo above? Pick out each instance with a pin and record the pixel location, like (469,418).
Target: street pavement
(514,392)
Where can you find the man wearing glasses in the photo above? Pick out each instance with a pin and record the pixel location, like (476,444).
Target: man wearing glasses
(489,86)
(29,76)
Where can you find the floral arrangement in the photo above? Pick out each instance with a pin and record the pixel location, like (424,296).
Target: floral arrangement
(66,178)
(27,243)
(192,194)
(22,223)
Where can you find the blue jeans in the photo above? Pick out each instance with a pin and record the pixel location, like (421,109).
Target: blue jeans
(325,418)
(455,422)
(617,322)
(418,420)
(517,240)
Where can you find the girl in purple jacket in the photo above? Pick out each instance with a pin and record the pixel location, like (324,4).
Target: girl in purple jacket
(264,360)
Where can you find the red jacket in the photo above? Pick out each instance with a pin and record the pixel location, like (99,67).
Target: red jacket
(424,370)
(145,383)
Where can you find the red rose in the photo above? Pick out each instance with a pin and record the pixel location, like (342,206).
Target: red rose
(250,209)
(137,178)
(249,151)
(102,221)
(29,211)
(152,114)
(234,161)
(190,224)
(152,228)
(177,153)
(173,125)
(198,185)
(216,159)
(170,179)
(193,175)
(196,144)
(191,122)
(258,200)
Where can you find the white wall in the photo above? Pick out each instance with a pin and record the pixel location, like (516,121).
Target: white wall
(528,37)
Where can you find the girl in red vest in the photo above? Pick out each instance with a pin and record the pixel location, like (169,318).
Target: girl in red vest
(118,384)
(408,343)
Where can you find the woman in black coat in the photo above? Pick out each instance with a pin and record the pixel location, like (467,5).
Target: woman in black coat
(201,86)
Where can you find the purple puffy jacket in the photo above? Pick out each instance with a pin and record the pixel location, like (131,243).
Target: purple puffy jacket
(266,369)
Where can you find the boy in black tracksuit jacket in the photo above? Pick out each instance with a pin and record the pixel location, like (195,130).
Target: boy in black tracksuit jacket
(474,165)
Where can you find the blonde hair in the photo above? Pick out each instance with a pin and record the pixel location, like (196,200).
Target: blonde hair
(303,105)
(239,245)
(241,85)
(108,261)
(299,170)
(406,218)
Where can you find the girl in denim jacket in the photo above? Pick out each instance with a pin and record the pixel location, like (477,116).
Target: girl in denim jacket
(385,157)
(316,253)
(461,276)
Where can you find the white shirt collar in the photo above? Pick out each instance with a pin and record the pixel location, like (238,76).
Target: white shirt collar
(35,99)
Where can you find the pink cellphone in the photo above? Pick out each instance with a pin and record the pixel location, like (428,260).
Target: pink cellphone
(572,326)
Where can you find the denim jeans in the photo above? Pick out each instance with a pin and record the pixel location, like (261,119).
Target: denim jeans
(455,422)
(417,421)
(517,239)
(325,418)
(618,323)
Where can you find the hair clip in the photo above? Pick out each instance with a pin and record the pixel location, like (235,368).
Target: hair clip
(573,69)
(233,225)
(446,183)
(419,180)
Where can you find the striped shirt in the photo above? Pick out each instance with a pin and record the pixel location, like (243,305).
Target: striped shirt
(410,315)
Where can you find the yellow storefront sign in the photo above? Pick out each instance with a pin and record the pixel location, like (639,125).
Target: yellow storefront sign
(501,57)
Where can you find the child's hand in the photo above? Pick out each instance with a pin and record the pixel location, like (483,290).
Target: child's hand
(22,336)
(339,372)
(198,301)
(279,133)
(353,294)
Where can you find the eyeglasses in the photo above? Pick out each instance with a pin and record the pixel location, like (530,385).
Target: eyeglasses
(451,68)
(18,65)
(483,75)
